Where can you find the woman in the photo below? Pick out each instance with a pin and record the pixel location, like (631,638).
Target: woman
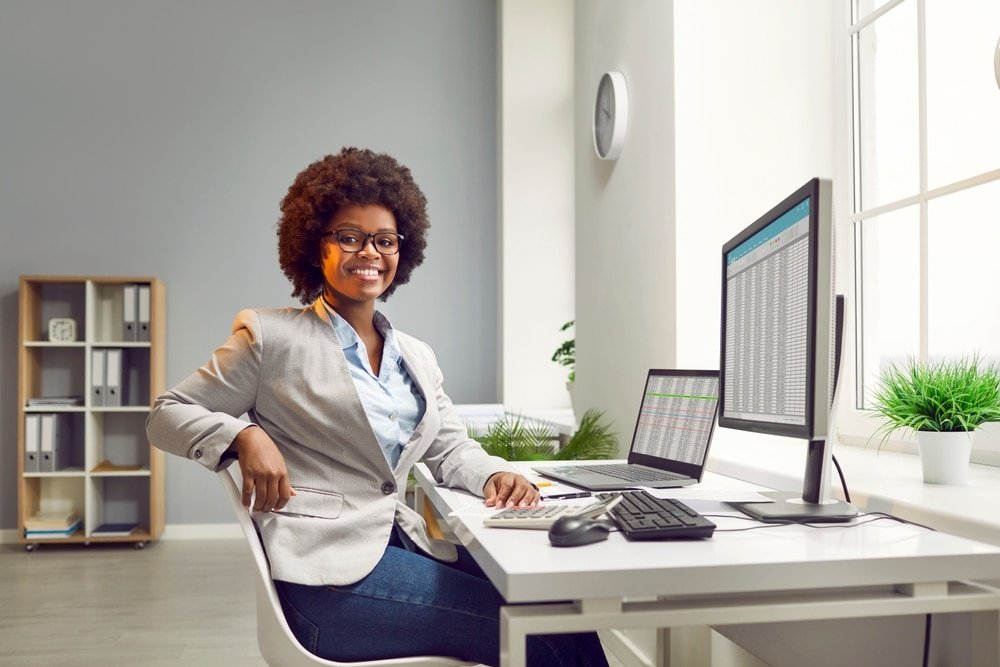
(327,408)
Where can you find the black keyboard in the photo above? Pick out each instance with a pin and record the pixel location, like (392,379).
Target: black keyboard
(642,516)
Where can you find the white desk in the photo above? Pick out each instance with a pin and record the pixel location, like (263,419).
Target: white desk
(770,575)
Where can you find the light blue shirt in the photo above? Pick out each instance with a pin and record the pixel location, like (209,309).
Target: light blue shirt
(392,402)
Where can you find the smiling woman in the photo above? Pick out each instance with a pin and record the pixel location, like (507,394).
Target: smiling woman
(341,405)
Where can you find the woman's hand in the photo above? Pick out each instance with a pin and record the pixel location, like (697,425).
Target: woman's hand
(511,490)
(263,469)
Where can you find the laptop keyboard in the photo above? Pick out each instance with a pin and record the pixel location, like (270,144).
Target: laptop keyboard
(642,516)
(631,473)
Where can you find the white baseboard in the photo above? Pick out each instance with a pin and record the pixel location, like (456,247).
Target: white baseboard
(182,531)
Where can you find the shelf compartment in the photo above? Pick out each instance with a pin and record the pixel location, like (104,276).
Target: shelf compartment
(54,371)
(48,299)
(118,443)
(108,301)
(119,500)
(52,493)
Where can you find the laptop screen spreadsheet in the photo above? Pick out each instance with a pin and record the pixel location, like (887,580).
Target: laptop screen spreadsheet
(767,291)
(676,418)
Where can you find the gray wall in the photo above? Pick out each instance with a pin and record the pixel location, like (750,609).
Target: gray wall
(157,138)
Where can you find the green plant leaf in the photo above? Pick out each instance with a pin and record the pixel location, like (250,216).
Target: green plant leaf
(937,396)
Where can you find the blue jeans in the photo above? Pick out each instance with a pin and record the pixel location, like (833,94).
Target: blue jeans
(410,605)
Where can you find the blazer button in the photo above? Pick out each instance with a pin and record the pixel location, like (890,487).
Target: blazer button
(197,453)
(388,488)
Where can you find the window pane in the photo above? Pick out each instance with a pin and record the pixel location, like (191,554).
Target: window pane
(963,237)
(891,299)
(888,107)
(963,103)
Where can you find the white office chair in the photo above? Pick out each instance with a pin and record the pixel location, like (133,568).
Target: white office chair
(275,640)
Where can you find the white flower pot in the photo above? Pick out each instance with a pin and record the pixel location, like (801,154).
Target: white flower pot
(944,456)
(570,387)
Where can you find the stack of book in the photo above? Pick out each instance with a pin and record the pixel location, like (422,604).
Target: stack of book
(52,525)
(114,529)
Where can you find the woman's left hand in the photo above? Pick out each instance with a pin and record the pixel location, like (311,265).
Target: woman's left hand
(510,490)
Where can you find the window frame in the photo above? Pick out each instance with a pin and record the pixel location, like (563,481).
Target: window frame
(854,425)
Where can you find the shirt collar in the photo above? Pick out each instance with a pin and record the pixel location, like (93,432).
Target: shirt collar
(348,337)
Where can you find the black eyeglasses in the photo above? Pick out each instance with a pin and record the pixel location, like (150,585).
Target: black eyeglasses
(353,240)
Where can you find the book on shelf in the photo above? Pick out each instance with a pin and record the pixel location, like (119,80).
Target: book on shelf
(114,529)
(55,400)
(53,534)
(59,520)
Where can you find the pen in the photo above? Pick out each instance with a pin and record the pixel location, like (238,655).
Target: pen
(564,496)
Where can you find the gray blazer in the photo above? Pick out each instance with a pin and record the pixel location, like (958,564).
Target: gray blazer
(286,371)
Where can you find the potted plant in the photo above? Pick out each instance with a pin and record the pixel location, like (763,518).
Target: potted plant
(944,403)
(565,355)
(514,439)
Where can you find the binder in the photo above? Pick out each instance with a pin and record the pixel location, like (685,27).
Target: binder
(46,443)
(113,377)
(142,313)
(130,322)
(31,436)
(54,442)
(97,374)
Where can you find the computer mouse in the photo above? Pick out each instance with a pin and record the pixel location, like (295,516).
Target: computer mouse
(575,531)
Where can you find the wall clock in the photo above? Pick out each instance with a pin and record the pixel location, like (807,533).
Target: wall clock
(62,329)
(610,115)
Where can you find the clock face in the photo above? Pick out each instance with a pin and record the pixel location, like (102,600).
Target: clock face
(604,116)
(610,115)
(62,329)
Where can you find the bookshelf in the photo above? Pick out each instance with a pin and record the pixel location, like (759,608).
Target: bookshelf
(98,461)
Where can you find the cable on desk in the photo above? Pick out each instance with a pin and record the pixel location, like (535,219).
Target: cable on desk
(843,482)
(878,516)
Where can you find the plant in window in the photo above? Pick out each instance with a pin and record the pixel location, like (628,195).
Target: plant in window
(944,402)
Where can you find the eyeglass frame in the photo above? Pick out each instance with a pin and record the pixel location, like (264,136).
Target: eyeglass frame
(368,238)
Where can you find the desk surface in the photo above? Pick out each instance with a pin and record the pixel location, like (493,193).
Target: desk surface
(884,481)
(525,568)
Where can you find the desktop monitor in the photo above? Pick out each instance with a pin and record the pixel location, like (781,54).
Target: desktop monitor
(779,350)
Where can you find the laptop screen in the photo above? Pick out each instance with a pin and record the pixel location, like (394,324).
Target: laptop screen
(676,419)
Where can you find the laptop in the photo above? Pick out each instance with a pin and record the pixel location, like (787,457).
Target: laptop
(672,435)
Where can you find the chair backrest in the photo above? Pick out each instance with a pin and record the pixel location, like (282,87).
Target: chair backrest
(277,644)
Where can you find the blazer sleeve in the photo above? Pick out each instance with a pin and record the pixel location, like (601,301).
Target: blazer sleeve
(199,418)
(453,457)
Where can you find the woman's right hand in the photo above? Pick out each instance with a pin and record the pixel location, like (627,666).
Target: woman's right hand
(265,477)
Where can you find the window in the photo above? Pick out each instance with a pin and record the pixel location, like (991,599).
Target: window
(925,182)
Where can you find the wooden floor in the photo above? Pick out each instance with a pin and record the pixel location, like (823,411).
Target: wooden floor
(176,602)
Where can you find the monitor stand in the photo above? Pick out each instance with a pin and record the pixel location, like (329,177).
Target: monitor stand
(787,508)
(813,506)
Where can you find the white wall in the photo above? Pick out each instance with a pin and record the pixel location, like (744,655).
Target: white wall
(536,198)
(625,230)
(140,137)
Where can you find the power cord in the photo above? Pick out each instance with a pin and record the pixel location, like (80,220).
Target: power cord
(843,482)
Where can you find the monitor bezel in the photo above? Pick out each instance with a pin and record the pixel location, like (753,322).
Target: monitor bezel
(817,209)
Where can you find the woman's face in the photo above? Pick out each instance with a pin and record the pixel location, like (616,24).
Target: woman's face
(361,276)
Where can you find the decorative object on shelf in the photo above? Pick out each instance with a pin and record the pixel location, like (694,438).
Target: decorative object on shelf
(944,403)
(517,439)
(610,115)
(62,329)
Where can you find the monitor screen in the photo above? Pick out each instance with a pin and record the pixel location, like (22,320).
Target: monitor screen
(776,319)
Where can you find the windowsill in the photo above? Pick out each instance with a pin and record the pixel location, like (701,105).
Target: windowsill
(886,481)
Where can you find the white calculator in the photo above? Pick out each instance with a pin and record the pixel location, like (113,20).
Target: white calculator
(540,518)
